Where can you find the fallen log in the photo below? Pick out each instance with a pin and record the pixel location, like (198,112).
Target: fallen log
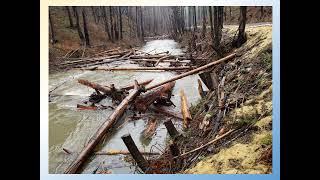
(194,71)
(102,62)
(165,111)
(103,52)
(86,60)
(117,113)
(150,56)
(94,107)
(116,152)
(165,60)
(139,68)
(131,86)
(106,90)
(185,109)
(145,100)
(161,59)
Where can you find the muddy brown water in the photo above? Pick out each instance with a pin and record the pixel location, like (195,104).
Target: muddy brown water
(71,128)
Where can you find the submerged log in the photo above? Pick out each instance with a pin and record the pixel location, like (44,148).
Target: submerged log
(116,152)
(150,129)
(117,113)
(145,100)
(185,109)
(165,111)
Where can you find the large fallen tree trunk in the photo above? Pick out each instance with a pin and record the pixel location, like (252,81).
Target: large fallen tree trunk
(95,86)
(87,60)
(185,110)
(141,83)
(145,100)
(117,113)
(165,60)
(138,68)
(150,56)
(194,71)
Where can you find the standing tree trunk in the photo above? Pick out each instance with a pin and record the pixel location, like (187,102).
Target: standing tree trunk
(242,37)
(120,16)
(154,21)
(106,25)
(70,17)
(111,23)
(85,27)
(225,13)
(204,21)
(78,24)
(141,24)
(137,23)
(94,15)
(195,18)
(211,21)
(217,29)
(116,28)
(261,10)
(53,37)
(230,14)
(221,10)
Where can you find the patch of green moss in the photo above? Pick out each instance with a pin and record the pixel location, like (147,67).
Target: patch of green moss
(267,140)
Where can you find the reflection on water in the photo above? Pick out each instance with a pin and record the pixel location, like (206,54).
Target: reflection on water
(71,129)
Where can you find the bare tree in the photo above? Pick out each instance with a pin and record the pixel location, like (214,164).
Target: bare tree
(106,25)
(111,23)
(261,10)
(242,37)
(141,24)
(195,18)
(211,21)
(154,21)
(70,17)
(204,21)
(120,17)
(217,21)
(85,27)
(137,23)
(78,24)
(94,15)
(53,39)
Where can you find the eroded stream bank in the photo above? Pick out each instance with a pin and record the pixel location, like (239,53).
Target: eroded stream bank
(71,129)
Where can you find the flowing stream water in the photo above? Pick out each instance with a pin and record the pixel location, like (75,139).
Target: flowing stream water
(71,128)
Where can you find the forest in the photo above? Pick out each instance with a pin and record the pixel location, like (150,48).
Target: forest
(160,89)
